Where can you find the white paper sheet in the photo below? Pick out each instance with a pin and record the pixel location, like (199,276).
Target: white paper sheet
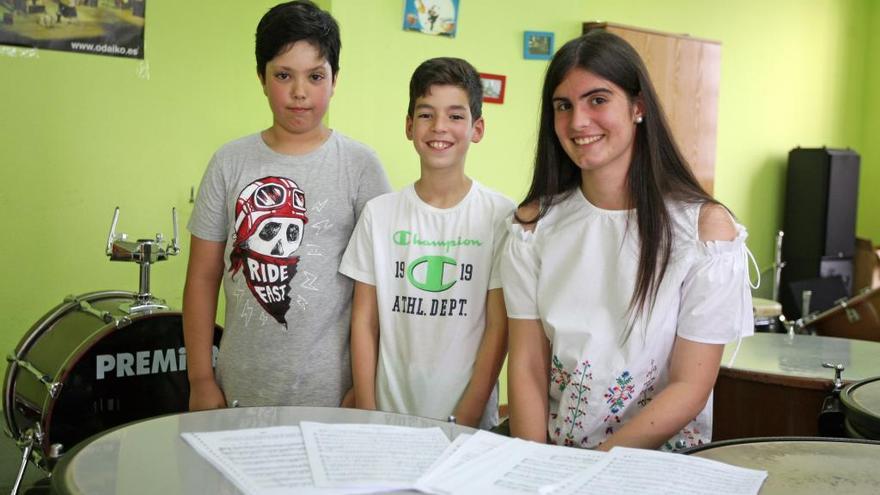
(648,472)
(370,456)
(465,450)
(515,467)
(453,448)
(259,461)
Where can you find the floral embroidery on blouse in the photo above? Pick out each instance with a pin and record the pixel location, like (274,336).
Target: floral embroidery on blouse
(647,393)
(577,382)
(689,436)
(616,397)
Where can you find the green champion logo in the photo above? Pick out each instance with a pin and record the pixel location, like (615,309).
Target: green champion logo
(434,270)
(409,238)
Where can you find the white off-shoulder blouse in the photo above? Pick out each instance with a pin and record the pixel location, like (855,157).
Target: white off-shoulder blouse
(575,272)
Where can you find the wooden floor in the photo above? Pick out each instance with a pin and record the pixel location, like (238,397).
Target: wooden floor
(10,459)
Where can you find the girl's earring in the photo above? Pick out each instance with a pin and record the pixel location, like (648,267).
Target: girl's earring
(639,119)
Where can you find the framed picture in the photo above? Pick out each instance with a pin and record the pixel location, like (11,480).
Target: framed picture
(493,87)
(538,45)
(437,17)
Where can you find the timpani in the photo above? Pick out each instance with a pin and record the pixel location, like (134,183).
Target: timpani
(803,465)
(861,408)
(776,385)
(150,457)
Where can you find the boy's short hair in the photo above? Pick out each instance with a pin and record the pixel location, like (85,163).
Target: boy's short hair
(447,71)
(299,20)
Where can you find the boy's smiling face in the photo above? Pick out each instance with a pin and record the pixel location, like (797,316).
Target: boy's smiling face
(442,127)
(298,84)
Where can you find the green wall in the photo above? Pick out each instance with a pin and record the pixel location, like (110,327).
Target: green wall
(792,74)
(80,134)
(869,200)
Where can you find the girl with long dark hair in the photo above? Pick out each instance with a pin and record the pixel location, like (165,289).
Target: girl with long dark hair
(623,278)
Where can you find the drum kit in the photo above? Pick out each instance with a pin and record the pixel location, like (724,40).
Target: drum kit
(97,360)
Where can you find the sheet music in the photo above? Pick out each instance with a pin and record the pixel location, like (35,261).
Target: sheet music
(463,451)
(524,467)
(260,461)
(453,448)
(375,456)
(637,471)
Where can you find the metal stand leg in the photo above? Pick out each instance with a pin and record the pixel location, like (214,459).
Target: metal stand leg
(25,456)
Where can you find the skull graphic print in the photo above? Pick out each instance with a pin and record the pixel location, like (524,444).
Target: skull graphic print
(270,216)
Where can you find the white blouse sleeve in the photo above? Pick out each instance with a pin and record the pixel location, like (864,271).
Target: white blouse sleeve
(519,273)
(716,303)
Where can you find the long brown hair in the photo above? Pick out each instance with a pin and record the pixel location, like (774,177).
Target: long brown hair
(657,172)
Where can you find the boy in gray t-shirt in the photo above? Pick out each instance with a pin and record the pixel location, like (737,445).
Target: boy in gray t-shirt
(273,216)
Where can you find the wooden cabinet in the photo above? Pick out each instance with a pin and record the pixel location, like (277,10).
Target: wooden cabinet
(686,73)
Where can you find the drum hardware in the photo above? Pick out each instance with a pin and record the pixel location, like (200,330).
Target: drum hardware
(778,264)
(144,252)
(851,314)
(848,307)
(26,444)
(54,388)
(85,307)
(831,415)
(805,301)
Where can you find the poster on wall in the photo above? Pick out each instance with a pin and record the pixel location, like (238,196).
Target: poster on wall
(99,27)
(438,17)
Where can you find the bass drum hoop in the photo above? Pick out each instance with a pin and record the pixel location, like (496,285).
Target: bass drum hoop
(33,335)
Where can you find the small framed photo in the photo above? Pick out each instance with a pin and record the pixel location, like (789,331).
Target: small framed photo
(493,87)
(538,45)
(437,17)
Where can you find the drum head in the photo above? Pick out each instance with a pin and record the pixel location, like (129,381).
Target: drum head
(861,404)
(803,465)
(132,373)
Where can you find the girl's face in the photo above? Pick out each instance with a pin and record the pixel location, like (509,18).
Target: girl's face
(595,121)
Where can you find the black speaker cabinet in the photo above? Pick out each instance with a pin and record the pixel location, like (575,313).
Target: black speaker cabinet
(821,195)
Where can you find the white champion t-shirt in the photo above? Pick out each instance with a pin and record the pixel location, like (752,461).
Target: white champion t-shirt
(432,269)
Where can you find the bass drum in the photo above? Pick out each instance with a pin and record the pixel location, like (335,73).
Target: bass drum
(802,465)
(88,366)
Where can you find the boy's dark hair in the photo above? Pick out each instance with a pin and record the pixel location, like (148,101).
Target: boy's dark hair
(300,20)
(447,71)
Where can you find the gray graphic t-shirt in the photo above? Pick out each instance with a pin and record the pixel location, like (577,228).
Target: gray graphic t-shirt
(286,221)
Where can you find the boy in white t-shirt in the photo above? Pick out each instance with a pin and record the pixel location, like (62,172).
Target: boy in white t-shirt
(428,329)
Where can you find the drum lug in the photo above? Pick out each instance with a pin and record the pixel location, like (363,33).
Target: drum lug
(54,388)
(55,450)
(85,307)
(852,315)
